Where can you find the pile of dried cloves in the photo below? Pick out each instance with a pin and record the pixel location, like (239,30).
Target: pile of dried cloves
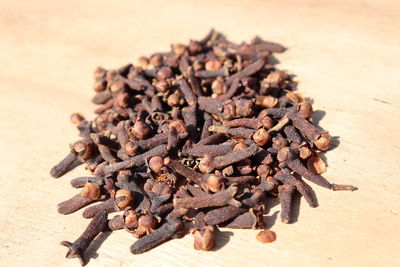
(190,140)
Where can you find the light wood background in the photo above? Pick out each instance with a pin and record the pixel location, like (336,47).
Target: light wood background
(346,55)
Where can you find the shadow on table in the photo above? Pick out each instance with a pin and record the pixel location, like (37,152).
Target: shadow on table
(91,252)
(270,220)
(222,238)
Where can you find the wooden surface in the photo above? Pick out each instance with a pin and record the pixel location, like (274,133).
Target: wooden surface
(345,55)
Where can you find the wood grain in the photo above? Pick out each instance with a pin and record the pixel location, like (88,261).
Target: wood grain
(345,55)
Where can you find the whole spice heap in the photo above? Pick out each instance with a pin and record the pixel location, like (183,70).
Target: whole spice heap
(191,140)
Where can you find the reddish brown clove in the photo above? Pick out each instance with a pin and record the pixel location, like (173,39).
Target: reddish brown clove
(321,139)
(91,190)
(261,137)
(204,238)
(62,167)
(316,165)
(131,220)
(266,236)
(224,197)
(146,224)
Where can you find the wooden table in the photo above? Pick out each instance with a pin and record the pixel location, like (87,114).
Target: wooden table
(345,55)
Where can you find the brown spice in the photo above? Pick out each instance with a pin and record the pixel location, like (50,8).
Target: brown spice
(266,236)
(206,132)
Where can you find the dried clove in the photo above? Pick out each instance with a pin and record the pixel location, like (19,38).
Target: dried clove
(219,162)
(204,238)
(73,204)
(167,231)
(285,197)
(77,249)
(287,157)
(224,197)
(62,167)
(249,220)
(116,223)
(266,236)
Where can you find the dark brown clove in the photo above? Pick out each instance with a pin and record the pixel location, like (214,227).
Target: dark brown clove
(166,232)
(101,97)
(288,157)
(208,182)
(204,74)
(62,167)
(208,121)
(292,134)
(81,181)
(138,160)
(224,197)
(240,179)
(251,123)
(321,139)
(116,223)
(220,162)
(231,92)
(193,81)
(78,248)
(239,132)
(286,178)
(173,139)
(224,214)
(210,105)
(189,115)
(106,206)
(210,150)
(152,142)
(123,198)
(267,183)
(73,204)
(249,220)
(215,138)
(104,150)
(188,93)
(285,197)
(248,71)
